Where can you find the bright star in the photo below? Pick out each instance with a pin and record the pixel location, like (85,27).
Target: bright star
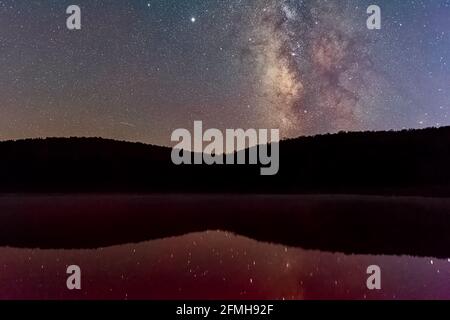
(193,19)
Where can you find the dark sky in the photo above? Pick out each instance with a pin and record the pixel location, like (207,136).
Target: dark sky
(140,69)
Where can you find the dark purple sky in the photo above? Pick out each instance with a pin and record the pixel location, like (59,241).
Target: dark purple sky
(137,70)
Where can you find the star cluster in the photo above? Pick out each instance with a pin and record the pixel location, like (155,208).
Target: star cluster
(137,70)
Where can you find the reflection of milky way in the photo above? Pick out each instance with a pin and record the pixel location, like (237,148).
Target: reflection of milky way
(314,67)
(216,265)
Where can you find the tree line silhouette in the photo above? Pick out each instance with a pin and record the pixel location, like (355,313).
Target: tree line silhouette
(409,162)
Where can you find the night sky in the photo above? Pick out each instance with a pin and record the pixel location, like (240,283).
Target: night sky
(137,70)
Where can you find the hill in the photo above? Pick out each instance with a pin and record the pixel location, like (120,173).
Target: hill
(413,162)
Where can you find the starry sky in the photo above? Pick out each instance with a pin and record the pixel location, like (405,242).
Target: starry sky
(137,70)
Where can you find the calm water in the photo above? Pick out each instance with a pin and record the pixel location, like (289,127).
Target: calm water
(216,265)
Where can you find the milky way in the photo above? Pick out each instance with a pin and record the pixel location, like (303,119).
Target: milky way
(137,70)
(314,62)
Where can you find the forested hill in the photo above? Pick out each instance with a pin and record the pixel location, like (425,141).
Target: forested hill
(413,162)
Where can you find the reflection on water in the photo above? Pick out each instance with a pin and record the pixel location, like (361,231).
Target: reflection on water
(216,265)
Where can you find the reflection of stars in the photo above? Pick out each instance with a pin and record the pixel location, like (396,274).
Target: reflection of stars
(188,267)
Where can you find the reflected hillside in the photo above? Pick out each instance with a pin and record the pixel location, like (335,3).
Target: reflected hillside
(351,224)
(216,265)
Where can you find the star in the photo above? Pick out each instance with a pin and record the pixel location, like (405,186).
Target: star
(305,67)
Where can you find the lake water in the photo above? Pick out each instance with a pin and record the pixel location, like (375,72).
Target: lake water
(216,265)
(159,246)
